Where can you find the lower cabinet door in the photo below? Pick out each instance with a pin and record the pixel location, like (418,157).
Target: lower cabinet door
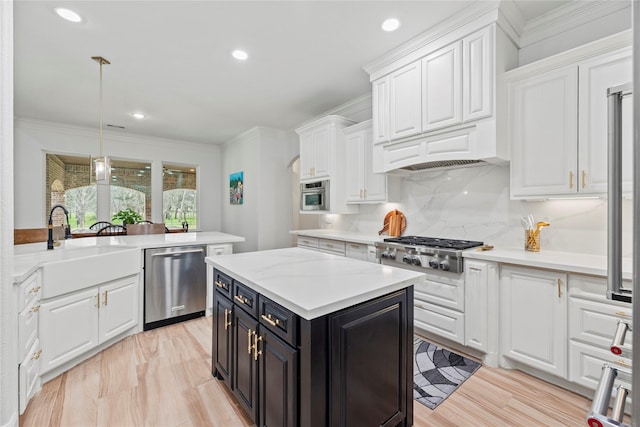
(244,365)
(371,374)
(278,365)
(118,307)
(29,375)
(222,337)
(68,327)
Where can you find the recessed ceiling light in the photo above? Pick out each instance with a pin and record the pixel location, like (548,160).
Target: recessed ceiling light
(138,115)
(67,14)
(391,24)
(240,55)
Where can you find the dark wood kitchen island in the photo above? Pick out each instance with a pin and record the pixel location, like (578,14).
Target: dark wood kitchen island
(303,338)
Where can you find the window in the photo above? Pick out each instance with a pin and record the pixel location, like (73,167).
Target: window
(130,188)
(179,204)
(68,182)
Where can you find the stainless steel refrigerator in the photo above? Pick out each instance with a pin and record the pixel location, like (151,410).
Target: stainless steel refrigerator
(613,388)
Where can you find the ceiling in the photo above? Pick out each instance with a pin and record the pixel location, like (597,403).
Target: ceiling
(172,60)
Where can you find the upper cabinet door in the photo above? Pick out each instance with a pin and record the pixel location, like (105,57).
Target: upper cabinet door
(543,133)
(441,88)
(477,74)
(596,76)
(355,164)
(321,153)
(306,155)
(375,184)
(404,101)
(380,95)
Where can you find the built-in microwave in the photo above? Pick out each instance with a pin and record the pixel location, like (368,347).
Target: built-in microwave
(314,196)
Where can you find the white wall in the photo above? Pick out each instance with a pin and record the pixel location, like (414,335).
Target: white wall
(34,139)
(264,156)
(473,203)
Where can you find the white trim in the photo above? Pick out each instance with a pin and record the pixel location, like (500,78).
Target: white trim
(569,16)
(8,313)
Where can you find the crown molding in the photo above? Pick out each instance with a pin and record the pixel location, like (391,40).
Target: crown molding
(460,19)
(571,15)
(43,125)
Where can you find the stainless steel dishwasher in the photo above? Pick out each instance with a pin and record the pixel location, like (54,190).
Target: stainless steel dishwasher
(175,285)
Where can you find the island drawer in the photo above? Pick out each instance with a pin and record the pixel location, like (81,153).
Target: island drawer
(245,298)
(222,283)
(278,319)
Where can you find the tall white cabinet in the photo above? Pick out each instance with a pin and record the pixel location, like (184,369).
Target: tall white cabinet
(363,186)
(558,120)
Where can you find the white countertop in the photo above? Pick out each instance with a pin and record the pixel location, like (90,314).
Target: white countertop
(311,283)
(29,257)
(346,236)
(564,261)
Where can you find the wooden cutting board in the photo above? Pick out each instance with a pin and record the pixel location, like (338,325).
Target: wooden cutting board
(394,223)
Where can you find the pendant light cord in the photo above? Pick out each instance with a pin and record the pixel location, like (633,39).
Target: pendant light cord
(101,61)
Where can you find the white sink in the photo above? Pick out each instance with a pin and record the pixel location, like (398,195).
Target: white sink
(70,269)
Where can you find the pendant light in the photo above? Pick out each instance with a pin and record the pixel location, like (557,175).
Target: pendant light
(102,167)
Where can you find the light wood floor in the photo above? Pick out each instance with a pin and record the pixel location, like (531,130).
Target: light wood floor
(163,378)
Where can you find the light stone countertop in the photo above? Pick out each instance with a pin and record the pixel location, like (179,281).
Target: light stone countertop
(563,261)
(347,236)
(310,283)
(29,257)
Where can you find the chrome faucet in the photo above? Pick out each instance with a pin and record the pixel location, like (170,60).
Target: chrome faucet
(67,229)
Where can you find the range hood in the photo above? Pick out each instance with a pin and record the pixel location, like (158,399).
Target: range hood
(467,146)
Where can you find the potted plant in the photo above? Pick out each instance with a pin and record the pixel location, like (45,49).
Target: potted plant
(127,216)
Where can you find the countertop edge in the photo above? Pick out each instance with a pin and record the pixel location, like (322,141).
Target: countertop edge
(595,265)
(208,238)
(346,236)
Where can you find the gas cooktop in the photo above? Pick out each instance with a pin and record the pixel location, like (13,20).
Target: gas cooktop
(434,242)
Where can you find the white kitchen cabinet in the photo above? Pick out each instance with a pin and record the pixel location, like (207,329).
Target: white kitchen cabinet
(442,88)
(381,108)
(544,133)
(478,74)
(118,308)
(405,99)
(439,306)
(355,250)
(315,154)
(322,157)
(533,318)
(29,375)
(29,349)
(75,323)
(363,186)
(558,123)
(596,76)
(481,306)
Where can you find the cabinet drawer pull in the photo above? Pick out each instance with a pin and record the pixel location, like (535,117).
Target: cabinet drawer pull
(559,288)
(35,290)
(622,362)
(36,355)
(622,313)
(98,300)
(570,180)
(584,174)
(270,320)
(106,296)
(226,319)
(220,284)
(249,347)
(35,308)
(329,245)
(365,193)
(256,352)
(354,246)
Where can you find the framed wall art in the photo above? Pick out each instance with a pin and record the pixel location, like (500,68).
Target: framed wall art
(236,188)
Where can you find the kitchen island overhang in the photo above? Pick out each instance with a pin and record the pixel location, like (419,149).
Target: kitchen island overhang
(312,339)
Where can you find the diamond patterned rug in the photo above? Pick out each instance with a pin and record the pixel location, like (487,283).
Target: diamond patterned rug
(437,372)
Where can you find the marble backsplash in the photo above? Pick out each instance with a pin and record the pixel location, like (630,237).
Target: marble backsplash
(473,203)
